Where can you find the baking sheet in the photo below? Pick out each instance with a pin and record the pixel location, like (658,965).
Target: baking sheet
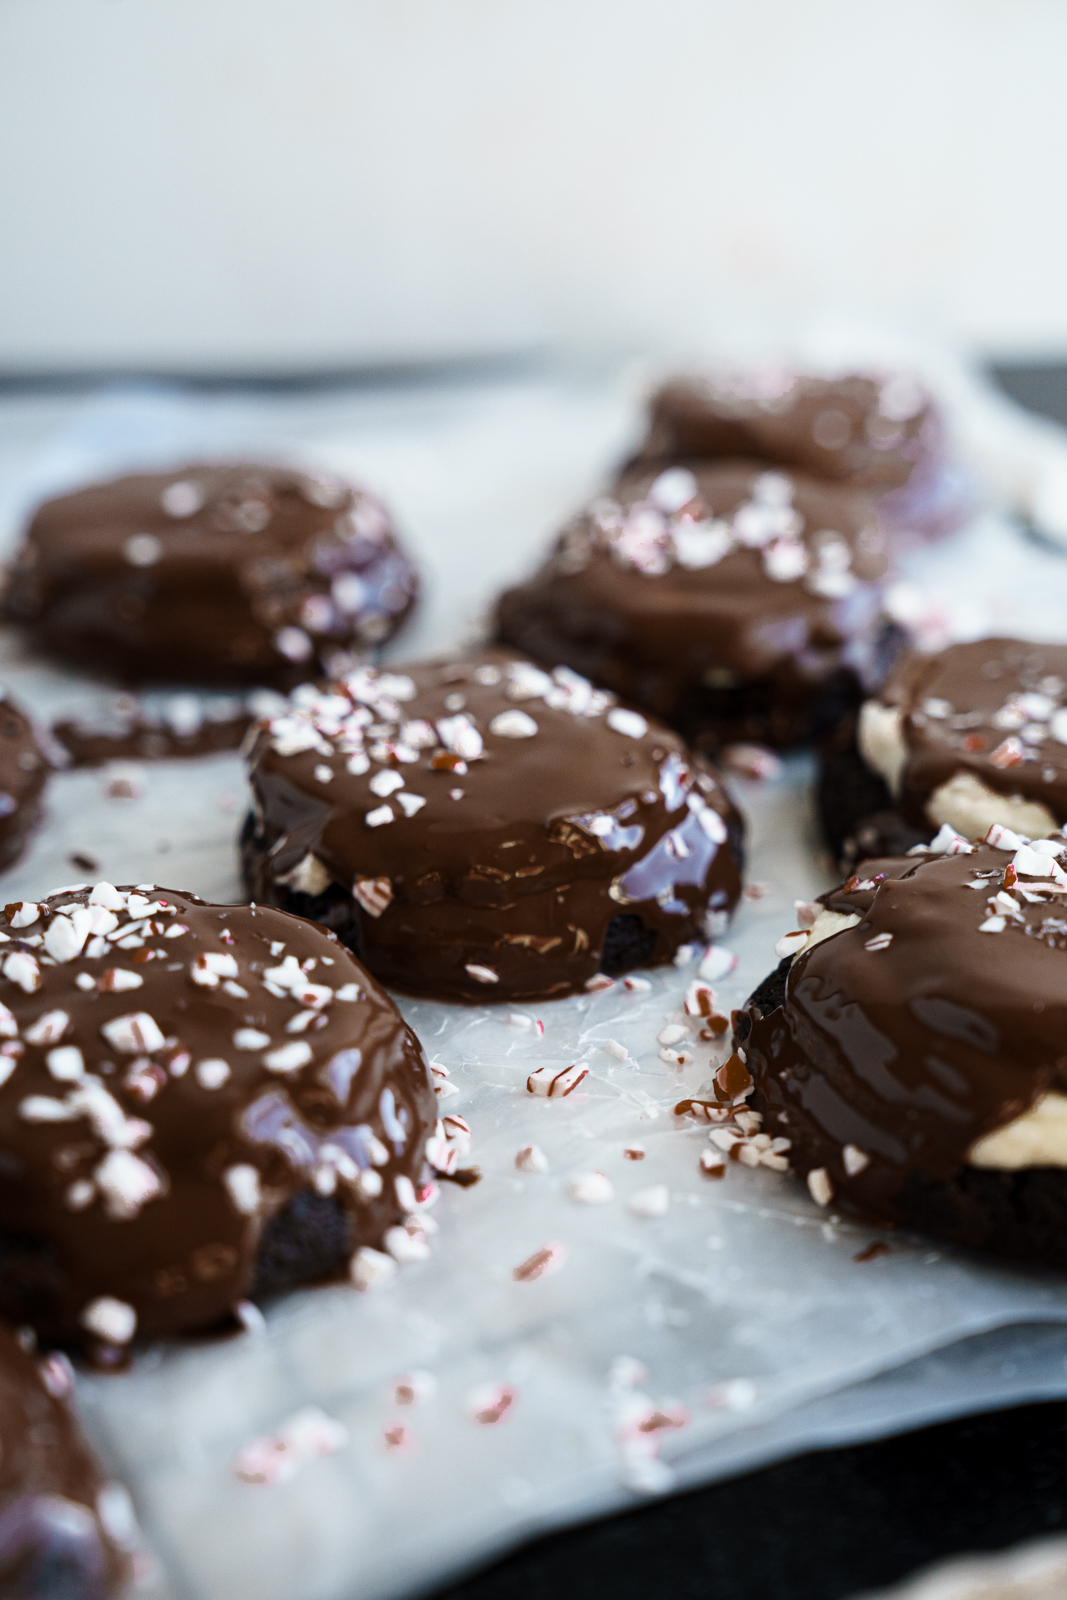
(664,1350)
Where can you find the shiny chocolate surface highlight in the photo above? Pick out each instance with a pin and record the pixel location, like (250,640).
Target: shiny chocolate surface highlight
(176,1076)
(236,573)
(734,602)
(484,830)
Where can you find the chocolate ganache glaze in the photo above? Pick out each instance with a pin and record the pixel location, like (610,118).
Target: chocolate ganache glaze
(198,1103)
(734,602)
(54,1544)
(23,770)
(883,434)
(481,830)
(912,1044)
(237,573)
(974,735)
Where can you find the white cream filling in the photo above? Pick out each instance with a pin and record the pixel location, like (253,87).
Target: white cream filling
(880,736)
(309,876)
(1036,1139)
(967,805)
(964,802)
(826,924)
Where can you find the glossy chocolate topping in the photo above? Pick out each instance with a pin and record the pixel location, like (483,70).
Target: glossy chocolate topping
(996,708)
(864,429)
(486,824)
(23,770)
(938,1017)
(723,597)
(52,1542)
(175,1074)
(239,573)
(882,434)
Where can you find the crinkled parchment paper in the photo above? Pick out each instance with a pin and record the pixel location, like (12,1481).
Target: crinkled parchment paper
(661,1349)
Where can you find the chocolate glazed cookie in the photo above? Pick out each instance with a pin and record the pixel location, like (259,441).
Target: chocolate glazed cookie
(733,602)
(911,1046)
(54,1543)
(481,830)
(23,770)
(221,574)
(198,1103)
(972,736)
(883,434)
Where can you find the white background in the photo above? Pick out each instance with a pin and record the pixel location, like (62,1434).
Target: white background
(249,185)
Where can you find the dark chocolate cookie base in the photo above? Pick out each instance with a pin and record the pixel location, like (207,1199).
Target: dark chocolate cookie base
(630,943)
(1021,1216)
(855,808)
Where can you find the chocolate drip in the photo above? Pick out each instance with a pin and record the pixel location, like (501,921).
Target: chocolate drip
(486,830)
(240,573)
(175,1074)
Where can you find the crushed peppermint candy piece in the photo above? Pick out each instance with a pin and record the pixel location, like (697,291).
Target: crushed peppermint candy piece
(48,1029)
(136,1033)
(591,1189)
(480,974)
(791,944)
(854,1160)
(250,1039)
(947,842)
(109,1319)
(67,1063)
(1008,753)
(531,1158)
(1002,838)
(819,1186)
(460,737)
(655,1201)
(23,969)
(548,1259)
(513,725)
(490,1403)
(718,962)
(548,1082)
(373,894)
(212,1073)
(211,966)
(276,1458)
(288,1057)
(379,817)
(630,723)
(371,1269)
(880,941)
(753,761)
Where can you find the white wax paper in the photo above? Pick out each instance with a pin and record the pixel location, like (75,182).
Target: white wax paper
(737,1326)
